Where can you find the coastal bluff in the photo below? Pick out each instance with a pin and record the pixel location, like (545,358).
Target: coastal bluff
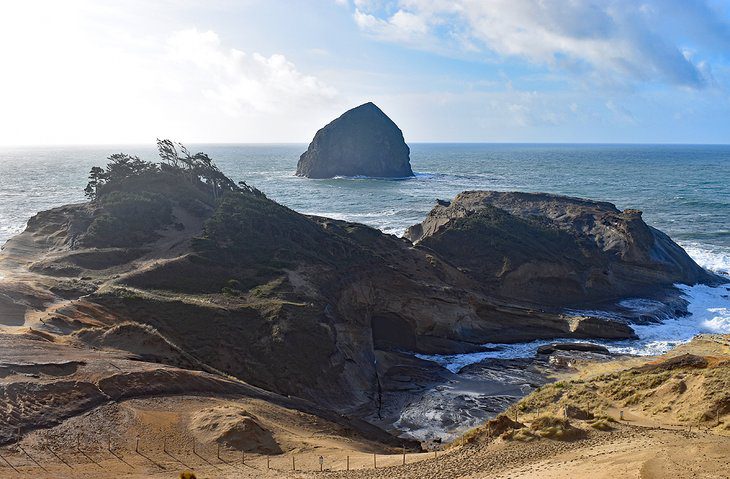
(181,268)
(364,141)
(554,250)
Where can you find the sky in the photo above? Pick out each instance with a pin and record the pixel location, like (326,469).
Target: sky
(265,71)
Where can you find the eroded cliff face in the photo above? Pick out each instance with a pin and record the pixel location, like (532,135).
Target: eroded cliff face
(554,250)
(246,287)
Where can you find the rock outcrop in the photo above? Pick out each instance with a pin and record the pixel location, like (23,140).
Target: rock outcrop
(361,142)
(554,250)
(241,285)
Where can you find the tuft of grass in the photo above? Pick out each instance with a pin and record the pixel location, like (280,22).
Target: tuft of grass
(552,427)
(601,425)
(521,435)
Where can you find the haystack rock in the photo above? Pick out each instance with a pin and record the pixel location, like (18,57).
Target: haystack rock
(361,142)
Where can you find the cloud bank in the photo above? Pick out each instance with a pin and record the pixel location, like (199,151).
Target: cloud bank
(604,41)
(238,82)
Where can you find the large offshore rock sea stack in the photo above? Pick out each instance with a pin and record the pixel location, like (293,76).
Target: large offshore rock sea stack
(361,142)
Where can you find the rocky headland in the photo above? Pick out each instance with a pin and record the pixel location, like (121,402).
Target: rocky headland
(361,142)
(554,250)
(190,283)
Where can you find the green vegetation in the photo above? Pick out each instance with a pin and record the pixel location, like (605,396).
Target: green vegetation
(136,198)
(479,239)
(129,219)
(177,163)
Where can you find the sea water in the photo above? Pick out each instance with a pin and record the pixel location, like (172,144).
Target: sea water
(683,190)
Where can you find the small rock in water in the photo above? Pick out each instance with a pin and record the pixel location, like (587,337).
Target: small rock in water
(583,347)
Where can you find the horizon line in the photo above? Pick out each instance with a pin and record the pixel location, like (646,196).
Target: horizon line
(297,143)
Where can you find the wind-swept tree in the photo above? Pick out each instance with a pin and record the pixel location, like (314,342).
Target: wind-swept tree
(120,166)
(97,177)
(176,160)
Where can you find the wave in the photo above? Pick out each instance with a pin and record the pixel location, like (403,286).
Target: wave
(713,258)
(365,177)
(708,308)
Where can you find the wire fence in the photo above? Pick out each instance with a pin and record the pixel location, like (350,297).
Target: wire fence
(139,457)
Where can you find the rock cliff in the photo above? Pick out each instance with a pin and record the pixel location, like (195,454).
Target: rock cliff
(361,142)
(554,250)
(241,285)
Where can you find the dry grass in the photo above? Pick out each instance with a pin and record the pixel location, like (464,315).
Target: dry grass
(551,399)
(521,435)
(686,388)
(499,426)
(602,424)
(552,427)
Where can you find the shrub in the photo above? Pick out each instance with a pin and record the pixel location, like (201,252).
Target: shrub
(128,219)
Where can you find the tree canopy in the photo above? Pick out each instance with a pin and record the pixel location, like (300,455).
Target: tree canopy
(198,169)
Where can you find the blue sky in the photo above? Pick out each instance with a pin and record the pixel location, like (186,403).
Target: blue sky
(83,71)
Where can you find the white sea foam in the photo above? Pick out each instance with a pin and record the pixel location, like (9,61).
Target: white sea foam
(709,257)
(708,308)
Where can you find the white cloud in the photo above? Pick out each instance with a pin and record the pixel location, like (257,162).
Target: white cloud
(237,81)
(402,26)
(608,40)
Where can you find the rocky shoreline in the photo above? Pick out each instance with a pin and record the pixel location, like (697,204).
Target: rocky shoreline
(216,277)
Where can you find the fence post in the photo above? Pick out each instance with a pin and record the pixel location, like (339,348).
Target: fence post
(136,445)
(268,462)
(164,444)
(293,464)
(375,461)
(404,455)
(348,463)
(243,458)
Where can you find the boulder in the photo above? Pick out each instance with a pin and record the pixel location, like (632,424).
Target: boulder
(361,142)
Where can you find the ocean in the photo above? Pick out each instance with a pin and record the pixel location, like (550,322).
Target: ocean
(683,190)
